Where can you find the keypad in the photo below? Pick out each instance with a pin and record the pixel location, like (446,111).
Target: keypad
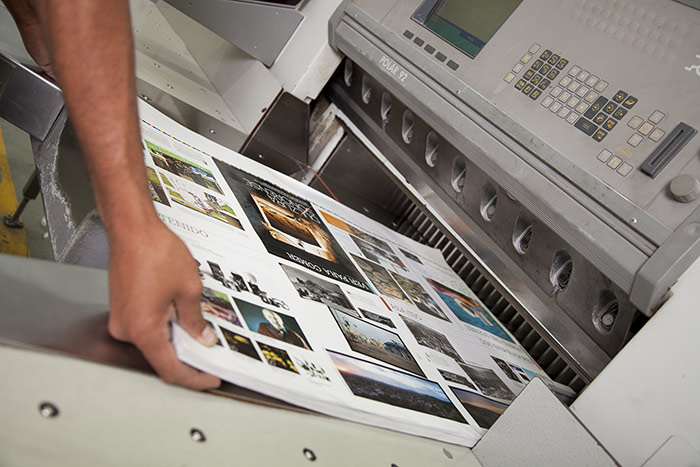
(543,70)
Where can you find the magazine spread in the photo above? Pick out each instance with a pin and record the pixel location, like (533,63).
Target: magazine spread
(319,306)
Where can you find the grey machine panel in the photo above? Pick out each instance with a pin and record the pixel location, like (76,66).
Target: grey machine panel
(593,184)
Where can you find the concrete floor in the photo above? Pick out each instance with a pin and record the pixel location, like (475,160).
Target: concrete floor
(17,164)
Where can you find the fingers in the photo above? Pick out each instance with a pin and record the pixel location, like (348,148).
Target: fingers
(159,352)
(189,314)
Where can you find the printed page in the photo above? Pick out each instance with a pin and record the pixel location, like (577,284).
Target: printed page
(317,305)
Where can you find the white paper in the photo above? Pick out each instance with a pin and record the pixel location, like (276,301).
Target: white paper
(322,307)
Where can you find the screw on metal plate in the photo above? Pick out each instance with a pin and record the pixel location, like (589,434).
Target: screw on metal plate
(633,220)
(211,131)
(145,97)
(48,410)
(197,435)
(309,454)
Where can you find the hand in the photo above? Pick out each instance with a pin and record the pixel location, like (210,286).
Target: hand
(151,277)
(32,35)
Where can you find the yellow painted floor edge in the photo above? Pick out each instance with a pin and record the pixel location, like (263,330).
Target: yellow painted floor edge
(12,241)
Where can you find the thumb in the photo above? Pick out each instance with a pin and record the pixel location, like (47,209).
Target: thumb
(189,316)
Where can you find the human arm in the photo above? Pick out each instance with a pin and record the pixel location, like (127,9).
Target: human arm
(151,273)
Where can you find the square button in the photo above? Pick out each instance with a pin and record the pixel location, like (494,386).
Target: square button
(528,74)
(518,66)
(520,84)
(546,54)
(526,58)
(656,117)
(572,118)
(609,107)
(600,118)
(625,169)
(553,59)
(620,113)
(591,96)
(509,77)
(453,65)
(600,87)
(583,75)
(553,73)
(418,41)
(635,122)
(604,155)
(535,94)
(574,70)
(582,91)
(565,81)
(528,88)
(429,48)
(629,102)
(442,57)
(619,96)
(543,84)
(536,79)
(581,108)
(610,124)
(556,91)
(599,135)
(614,162)
(590,82)
(646,128)
(545,69)
(536,64)
(635,139)
(565,96)
(657,134)
(555,107)
(564,112)
(573,102)
(408,34)
(547,101)
(574,86)
(561,64)
(535,47)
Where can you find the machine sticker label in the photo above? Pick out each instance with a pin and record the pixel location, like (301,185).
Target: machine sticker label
(696,68)
(393,69)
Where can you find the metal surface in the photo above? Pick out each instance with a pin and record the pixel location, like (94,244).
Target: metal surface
(241,24)
(536,429)
(27,100)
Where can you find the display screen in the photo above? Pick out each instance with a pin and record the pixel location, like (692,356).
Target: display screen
(466,24)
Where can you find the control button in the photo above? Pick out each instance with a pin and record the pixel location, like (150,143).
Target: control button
(536,64)
(600,87)
(585,126)
(535,94)
(528,88)
(526,58)
(561,64)
(520,84)
(625,169)
(582,91)
(528,74)
(547,101)
(517,68)
(556,106)
(614,162)
(546,54)
(657,134)
(609,107)
(604,155)
(509,77)
(536,79)
(565,81)
(619,96)
(419,41)
(599,135)
(429,48)
(574,70)
(543,84)
(553,59)
(553,73)
(685,188)
(408,34)
(581,108)
(452,64)
(646,128)
(620,113)
(574,86)
(635,122)
(442,57)
(634,140)
(556,91)
(573,102)
(610,124)
(629,102)
(656,117)
(590,82)
(565,96)
(545,69)
(572,118)
(583,76)
(600,118)
(596,106)
(592,96)
(535,47)
(564,112)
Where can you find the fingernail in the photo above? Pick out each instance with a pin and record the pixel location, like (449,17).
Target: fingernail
(208,337)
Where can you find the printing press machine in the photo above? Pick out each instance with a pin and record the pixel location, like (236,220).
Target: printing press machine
(549,148)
